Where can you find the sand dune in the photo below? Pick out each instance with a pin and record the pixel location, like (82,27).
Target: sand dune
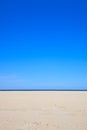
(43,110)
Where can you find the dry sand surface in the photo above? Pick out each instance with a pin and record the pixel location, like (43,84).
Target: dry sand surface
(43,110)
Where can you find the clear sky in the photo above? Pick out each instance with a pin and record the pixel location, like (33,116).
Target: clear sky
(43,44)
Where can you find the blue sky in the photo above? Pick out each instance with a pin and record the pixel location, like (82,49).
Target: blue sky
(43,44)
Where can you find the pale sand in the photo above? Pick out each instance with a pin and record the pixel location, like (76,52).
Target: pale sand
(43,110)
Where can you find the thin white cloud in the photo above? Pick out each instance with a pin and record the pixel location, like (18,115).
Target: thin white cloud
(12,78)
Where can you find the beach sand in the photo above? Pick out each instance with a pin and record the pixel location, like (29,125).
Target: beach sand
(43,110)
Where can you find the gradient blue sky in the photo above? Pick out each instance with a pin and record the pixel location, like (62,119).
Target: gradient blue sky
(43,44)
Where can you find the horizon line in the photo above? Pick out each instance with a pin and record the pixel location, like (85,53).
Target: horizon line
(43,89)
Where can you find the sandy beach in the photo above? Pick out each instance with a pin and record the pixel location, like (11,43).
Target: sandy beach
(43,110)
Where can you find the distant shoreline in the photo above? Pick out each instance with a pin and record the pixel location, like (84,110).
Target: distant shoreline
(43,90)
